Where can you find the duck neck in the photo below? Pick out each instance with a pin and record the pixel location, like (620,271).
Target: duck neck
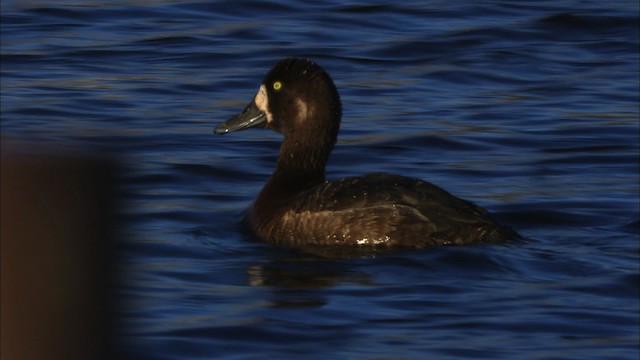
(301,163)
(302,157)
(299,168)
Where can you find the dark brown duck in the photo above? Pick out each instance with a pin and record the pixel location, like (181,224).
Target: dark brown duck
(299,207)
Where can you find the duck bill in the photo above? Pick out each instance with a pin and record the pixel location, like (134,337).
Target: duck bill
(250,117)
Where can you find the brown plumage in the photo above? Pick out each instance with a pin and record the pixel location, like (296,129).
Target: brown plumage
(298,207)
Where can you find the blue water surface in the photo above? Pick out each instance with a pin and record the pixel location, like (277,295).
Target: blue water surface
(528,108)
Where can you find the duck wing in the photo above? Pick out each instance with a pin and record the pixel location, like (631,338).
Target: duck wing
(390,210)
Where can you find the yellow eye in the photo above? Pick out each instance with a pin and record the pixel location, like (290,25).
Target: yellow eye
(277,85)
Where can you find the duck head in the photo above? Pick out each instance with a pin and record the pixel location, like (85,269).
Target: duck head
(296,98)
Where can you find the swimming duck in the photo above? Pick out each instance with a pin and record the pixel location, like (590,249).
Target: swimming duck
(298,207)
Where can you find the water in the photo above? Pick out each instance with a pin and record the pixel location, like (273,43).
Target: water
(527,108)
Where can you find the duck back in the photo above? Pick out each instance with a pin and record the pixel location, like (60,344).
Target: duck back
(378,210)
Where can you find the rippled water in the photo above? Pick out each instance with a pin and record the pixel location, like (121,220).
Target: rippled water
(527,108)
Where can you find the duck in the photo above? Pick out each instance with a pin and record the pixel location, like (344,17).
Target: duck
(299,207)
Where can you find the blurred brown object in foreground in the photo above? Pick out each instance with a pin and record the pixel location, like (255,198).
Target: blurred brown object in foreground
(57,220)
